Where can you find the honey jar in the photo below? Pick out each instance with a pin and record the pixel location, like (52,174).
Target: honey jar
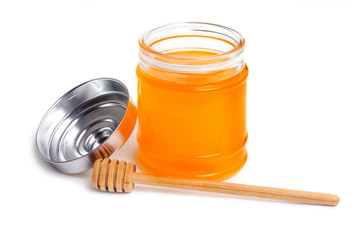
(192,101)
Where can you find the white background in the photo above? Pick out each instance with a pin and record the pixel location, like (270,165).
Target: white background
(303,119)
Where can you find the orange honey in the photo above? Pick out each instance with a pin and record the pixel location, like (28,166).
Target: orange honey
(192,101)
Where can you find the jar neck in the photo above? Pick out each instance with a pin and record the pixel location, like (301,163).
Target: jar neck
(192,48)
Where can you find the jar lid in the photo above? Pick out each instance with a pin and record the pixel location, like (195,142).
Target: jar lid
(91,121)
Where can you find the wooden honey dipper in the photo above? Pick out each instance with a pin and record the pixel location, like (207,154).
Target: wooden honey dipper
(119,176)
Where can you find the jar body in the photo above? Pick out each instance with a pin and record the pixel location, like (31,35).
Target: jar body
(192,124)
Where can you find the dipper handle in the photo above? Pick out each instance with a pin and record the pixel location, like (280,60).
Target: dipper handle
(114,175)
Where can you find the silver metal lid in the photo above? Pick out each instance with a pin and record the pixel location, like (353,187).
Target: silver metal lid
(90,121)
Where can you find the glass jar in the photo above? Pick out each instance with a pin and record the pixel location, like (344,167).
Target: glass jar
(192,101)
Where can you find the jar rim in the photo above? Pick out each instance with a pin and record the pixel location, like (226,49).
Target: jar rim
(236,36)
(158,44)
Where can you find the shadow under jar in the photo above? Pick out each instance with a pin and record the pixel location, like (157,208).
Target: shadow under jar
(192,101)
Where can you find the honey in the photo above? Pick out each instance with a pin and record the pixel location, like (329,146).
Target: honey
(192,102)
